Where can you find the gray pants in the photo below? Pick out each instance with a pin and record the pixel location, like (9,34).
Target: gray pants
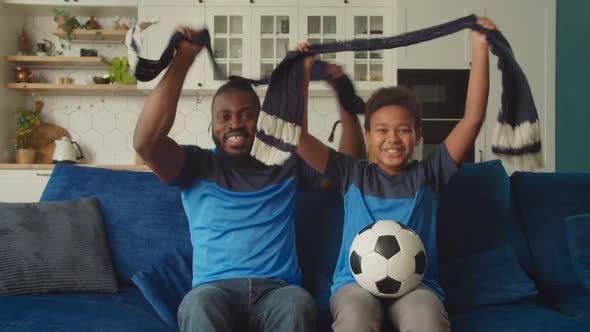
(356,310)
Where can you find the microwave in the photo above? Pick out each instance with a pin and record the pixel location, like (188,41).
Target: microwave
(442,94)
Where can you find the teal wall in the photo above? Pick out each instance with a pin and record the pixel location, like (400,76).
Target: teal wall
(573,86)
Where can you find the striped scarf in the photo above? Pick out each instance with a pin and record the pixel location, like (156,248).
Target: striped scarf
(517,136)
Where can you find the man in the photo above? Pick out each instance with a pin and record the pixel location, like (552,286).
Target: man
(240,211)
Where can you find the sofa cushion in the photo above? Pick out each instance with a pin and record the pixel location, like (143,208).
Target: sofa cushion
(125,311)
(165,283)
(318,226)
(577,231)
(577,306)
(490,277)
(544,200)
(54,247)
(476,213)
(516,318)
(143,217)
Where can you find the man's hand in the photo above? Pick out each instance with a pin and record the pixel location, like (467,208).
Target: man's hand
(186,48)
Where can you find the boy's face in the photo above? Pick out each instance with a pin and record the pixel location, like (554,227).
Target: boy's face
(392,137)
(234,116)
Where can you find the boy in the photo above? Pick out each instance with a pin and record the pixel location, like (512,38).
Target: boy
(395,188)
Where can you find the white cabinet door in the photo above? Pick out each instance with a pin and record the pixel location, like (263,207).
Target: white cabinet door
(22,185)
(530,27)
(230,29)
(450,52)
(374,69)
(321,26)
(157,36)
(347,3)
(274,32)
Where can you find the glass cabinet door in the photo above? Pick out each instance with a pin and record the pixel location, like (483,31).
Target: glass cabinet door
(370,68)
(230,32)
(322,26)
(274,33)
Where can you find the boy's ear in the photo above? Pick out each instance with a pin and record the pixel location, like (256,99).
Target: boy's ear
(418,136)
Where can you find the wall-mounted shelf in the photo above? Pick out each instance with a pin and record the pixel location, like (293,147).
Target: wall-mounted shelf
(93,36)
(32,61)
(76,89)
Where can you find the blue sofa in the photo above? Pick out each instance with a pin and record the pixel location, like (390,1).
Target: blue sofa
(508,252)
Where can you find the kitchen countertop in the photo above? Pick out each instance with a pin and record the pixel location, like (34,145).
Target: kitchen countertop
(50,167)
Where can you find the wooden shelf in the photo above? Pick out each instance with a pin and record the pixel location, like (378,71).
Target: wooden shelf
(32,61)
(43,167)
(93,36)
(77,89)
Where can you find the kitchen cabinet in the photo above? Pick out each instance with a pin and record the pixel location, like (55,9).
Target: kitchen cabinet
(350,3)
(156,37)
(22,185)
(533,45)
(450,52)
(374,69)
(273,33)
(83,3)
(230,29)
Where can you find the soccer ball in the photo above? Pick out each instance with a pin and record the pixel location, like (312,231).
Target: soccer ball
(387,259)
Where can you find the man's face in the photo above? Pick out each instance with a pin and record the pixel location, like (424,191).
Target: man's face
(234,117)
(392,137)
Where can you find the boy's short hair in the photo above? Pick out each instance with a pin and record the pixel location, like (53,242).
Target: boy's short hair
(395,95)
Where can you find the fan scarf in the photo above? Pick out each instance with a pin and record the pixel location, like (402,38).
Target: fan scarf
(517,135)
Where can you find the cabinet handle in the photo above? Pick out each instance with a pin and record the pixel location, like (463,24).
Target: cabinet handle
(200,84)
(251,1)
(480,156)
(346,1)
(43,174)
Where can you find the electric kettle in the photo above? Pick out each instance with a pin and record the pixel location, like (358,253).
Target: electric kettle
(65,151)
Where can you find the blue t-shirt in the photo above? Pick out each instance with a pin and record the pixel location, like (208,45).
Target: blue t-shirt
(410,198)
(241,215)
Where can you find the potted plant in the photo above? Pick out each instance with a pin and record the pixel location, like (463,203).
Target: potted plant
(119,71)
(66,21)
(26,121)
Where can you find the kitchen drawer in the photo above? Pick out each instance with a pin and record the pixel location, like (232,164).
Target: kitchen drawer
(22,185)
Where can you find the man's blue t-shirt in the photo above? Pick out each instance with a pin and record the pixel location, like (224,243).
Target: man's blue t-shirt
(241,215)
(410,198)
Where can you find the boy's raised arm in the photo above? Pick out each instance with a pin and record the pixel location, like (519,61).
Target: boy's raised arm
(462,137)
(314,152)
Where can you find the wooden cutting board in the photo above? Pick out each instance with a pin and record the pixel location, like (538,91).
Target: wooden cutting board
(43,141)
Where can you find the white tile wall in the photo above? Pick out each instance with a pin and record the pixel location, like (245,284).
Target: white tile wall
(103,125)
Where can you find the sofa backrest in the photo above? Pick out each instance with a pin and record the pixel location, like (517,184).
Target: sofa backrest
(143,217)
(476,213)
(483,254)
(544,201)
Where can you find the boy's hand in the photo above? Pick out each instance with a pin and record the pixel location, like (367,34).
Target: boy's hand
(308,61)
(186,48)
(478,37)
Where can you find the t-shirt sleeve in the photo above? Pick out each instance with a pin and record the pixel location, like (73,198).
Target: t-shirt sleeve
(340,170)
(439,168)
(309,178)
(194,164)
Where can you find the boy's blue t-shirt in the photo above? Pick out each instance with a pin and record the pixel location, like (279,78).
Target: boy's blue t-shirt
(410,198)
(241,216)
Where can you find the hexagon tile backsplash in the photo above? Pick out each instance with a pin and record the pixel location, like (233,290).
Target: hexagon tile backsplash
(103,125)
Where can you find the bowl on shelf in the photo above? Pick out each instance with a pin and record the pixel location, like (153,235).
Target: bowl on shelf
(101,80)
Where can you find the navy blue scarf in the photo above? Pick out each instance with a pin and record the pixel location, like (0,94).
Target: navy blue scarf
(517,136)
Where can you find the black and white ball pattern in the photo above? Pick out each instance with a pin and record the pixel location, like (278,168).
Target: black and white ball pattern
(387,259)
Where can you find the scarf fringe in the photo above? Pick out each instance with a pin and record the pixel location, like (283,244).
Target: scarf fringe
(519,146)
